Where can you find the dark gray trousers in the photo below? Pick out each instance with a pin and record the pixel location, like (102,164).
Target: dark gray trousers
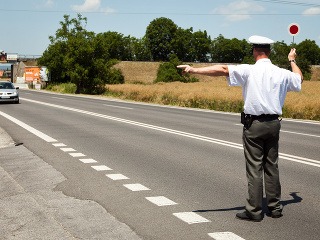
(261,150)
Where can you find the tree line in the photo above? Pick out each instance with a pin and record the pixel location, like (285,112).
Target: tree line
(86,59)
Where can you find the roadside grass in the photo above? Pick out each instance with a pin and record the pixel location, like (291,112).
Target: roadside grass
(62,88)
(208,93)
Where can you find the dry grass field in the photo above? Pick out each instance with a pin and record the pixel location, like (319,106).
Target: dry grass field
(315,73)
(208,93)
(138,72)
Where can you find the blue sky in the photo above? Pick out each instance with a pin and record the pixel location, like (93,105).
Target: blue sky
(27,24)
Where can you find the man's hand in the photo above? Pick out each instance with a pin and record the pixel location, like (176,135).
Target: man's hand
(185,68)
(213,70)
(292,54)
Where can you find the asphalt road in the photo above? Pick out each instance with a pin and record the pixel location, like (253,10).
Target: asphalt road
(166,172)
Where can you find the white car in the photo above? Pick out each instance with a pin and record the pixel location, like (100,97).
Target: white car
(8,92)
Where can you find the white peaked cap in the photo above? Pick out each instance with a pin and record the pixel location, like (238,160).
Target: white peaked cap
(259,40)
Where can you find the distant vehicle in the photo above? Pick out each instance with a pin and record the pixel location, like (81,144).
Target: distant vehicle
(8,92)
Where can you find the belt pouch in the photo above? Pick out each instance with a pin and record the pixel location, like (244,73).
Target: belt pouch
(246,120)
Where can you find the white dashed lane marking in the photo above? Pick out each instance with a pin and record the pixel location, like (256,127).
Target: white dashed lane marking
(68,149)
(77,154)
(188,217)
(225,236)
(101,168)
(161,201)
(88,160)
(59,145)
(117,176)
(191,217)
(136,187)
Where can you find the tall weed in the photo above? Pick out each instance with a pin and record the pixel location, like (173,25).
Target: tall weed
(217,95)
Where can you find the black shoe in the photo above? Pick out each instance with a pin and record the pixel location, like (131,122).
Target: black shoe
(245,216)
(276,214)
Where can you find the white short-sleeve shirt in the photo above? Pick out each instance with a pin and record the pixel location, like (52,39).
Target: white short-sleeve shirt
(264,86)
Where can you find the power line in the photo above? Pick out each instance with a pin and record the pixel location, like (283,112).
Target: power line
(157,13)
(290,3)
(305,4)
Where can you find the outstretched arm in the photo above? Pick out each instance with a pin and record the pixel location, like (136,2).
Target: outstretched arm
(292,58)
(214,70)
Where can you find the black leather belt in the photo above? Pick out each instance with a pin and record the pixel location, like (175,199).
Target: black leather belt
(247,119)
(265,116)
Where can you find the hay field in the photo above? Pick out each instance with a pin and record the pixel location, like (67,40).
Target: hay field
(138,72)
(315,73)
(146,72)
(209,93)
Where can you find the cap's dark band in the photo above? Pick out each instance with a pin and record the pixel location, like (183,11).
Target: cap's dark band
(261,45)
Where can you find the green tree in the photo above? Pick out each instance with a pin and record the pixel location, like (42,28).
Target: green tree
(53,58)
(279,54)
(182,44)
(201,46)
(113,45)
(310,51)
(191,46)
(72,57)
(279,57)
(228,50)
(159,35)
(139,49)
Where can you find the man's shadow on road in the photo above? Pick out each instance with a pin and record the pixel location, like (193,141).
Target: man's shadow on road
(294,195)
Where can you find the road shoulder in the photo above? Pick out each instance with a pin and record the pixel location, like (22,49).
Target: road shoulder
(31,209)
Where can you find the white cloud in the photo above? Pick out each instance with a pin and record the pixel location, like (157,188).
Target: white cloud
(92,6)
(312,11)
(45,4)
(49,3)
(87,6)
(108,10)
(239,10)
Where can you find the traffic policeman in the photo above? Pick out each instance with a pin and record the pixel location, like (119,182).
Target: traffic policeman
(264,87)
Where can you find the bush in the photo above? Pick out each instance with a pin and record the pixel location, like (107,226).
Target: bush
(62,88)
(168,72)
(115,76)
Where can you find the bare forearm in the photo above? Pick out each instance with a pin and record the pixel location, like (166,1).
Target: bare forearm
(292,57)
(296,69)
(214,70)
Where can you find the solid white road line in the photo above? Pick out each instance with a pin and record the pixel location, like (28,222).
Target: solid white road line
(101,168)
(306,161)
(161,201)
(225,236)
(172,131)
(29,128)
(297,133)
(191,217)
(117,106)
(47,138)
(167,130)
(303,134)
(136,187)
(58,98)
